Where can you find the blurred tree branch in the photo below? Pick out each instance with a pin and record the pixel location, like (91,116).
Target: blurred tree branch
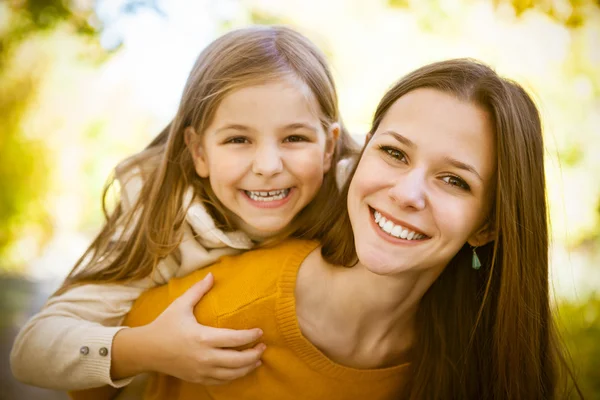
(571,13)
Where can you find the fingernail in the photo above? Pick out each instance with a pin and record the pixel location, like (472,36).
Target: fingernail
(208,275)
(262,347)
(259,332)
(258,363)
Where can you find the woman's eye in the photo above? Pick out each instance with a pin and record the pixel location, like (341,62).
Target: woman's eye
(456,181)
(295,138)
(394,153)
(237,140)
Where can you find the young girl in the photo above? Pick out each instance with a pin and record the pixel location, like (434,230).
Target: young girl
(432,281)
(250,157)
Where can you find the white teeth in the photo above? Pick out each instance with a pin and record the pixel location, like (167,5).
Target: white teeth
(382,222)
(395,230)
(389,225)
(268,196)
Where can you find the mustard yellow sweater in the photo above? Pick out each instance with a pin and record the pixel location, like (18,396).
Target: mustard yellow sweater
(256,289)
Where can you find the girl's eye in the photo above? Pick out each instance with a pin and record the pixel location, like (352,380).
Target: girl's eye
(295,139)
(456,181)
(237,140)
(394,153)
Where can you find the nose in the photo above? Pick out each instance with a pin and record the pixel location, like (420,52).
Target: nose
(267,160)
(409,191)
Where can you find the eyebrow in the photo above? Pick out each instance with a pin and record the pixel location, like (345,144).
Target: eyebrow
(244,128)
(461,165)
(402,139)
(300,125)
(452,161)
(235,127)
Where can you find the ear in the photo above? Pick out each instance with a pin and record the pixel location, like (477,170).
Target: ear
(482,236)
(194,145)
(332,137)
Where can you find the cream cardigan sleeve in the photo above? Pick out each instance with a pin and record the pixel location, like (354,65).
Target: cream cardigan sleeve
(66,346)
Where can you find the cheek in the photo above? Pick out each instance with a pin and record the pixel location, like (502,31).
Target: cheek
(225,165)
(365,182)
(307,164)
(456,218)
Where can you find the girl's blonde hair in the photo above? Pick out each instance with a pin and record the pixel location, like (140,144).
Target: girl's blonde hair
(136,236)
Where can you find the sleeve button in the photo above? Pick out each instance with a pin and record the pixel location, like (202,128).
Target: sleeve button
(84,350)
(103,351)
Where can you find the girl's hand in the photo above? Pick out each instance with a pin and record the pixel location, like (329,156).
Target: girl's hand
(176,344)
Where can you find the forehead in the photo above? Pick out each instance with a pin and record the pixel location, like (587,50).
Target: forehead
(284,98)
(441,124)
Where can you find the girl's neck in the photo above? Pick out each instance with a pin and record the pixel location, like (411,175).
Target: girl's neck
(356,317)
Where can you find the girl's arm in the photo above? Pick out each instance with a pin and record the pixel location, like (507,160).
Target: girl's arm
(71,345)
(67,345)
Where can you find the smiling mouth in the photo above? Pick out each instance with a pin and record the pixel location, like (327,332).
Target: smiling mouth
(267,196)
(395,230)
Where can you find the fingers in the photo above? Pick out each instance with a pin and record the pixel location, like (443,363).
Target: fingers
(193,295)
(239,359)
(230,374)
(219,337)
(228,365)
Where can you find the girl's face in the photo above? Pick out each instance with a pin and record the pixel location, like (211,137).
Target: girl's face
(265,153)
(423,185)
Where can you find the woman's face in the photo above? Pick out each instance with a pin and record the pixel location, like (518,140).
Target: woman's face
(423,185)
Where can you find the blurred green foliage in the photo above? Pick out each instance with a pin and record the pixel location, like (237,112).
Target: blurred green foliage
(579,323)
(24,169)
(571,13)
(31,17)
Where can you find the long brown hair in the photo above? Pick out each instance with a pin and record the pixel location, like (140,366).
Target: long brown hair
(136,236)
(486,334)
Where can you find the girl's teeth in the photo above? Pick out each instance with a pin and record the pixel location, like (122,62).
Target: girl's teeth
(268,196)
(395,230)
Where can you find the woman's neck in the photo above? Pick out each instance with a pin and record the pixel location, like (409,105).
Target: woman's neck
(356,317)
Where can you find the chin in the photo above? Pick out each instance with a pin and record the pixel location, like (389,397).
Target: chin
(378,263)
(265,230)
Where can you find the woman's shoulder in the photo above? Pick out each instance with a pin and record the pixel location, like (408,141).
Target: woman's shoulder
(263,262)
(254,275)
(277,252)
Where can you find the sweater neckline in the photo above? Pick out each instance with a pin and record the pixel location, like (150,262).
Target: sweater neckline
(289,327)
